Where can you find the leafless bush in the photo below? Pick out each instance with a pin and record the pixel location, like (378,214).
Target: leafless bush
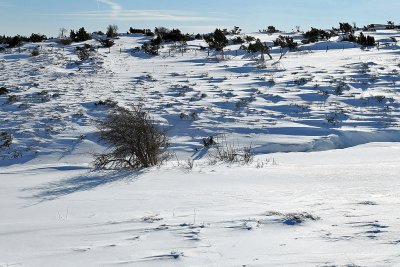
(264,163)
(83,53)
(112,31)
(189,164)
(230,152)
(135,140)
(35,52)
(5,139)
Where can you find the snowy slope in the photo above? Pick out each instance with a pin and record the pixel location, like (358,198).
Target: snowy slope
(332,208)
(312,99)
(333,201)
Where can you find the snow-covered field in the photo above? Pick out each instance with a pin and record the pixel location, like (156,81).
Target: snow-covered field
(332,201)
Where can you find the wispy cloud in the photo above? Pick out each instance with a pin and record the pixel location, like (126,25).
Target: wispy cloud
(115,8)
(116,12)
(142,15)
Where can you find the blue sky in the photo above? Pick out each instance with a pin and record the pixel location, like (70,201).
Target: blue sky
(47,16)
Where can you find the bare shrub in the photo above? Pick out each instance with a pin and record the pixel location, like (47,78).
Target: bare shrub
(35,52)
(230,152)
(5,139)
(83,53)
(294,218)
(62,33)
(112,31)
(209,141)
(12,99)
(189,164)
(135,140)
(186,165)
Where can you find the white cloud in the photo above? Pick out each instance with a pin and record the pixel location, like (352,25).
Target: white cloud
(116,12)
(115,8)
(142,15)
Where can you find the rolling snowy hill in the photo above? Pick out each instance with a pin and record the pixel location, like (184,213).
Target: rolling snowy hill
(332,201)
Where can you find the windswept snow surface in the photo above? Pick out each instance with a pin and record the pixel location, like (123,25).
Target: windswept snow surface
(332,201)
(330,208)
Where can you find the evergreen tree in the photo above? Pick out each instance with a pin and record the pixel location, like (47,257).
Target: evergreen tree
(370,41)
(36,38)
(258,46)
(217,40)
(82,35)
(362,40)
(72,35)
(14,41)
(346,27)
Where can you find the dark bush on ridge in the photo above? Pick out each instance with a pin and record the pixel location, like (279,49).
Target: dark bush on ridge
(238,40)
(390,25)
(258,46)
(80,36)
(18,39)
(361,39)
(366,40)
(146,32)
(249,38)
(216,40)
(270,30)
(350,38)
(315,35)
(98,33)
(13,41)
(235,31)
(65,41)
(174,35)
(369,28)
(37,38)
(285,42)
(346,27)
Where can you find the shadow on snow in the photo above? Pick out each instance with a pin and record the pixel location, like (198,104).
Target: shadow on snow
(83,182)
